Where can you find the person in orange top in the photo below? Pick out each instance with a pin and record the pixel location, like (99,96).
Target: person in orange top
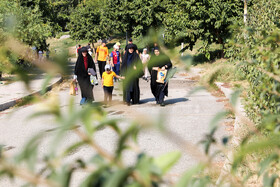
(101,56)
(108,83)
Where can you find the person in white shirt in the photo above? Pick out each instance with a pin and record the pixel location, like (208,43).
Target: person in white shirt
(145,57)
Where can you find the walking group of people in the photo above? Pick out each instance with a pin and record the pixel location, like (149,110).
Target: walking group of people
(130,67)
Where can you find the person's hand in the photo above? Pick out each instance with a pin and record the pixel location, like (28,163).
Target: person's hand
(134,67)
(89,73)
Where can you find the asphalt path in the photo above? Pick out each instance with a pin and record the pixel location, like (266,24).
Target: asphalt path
(186,117)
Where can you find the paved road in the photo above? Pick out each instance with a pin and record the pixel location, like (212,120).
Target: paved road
(187,117)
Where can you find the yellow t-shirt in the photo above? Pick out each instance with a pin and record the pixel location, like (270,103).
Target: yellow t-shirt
(108,78)
(102,53)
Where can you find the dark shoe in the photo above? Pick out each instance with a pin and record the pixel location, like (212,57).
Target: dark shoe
(162,104)
(127,103)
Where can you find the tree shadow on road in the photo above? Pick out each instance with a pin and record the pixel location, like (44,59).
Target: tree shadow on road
(175,100)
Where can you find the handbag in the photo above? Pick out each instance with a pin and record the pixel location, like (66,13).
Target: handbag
(161,76)
(73,88)
(93,80)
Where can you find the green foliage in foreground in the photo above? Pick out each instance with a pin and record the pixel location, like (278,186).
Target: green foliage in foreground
(102,168)
(257,50)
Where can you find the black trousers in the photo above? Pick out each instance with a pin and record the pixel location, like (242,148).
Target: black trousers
(86,88)
(101,66)
(108,92)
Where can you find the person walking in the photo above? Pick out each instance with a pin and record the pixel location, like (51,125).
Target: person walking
(132,67)
(145,57)
(78,50)
(83,69)
(159,61)
(108,83)
(116,60)
(130,42)
(102,56)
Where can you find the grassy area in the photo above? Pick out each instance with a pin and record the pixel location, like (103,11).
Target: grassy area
(60,45)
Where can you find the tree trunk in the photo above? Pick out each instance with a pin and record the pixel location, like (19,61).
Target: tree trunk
(220,40)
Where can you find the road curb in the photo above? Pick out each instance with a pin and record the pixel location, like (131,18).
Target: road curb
(14,102)
(235,140)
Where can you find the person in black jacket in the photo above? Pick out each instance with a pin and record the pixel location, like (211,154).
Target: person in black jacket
(83,69)
(132,69)
(158,61)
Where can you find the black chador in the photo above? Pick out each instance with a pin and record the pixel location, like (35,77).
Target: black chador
(159,90)
(81,70)
(132,70)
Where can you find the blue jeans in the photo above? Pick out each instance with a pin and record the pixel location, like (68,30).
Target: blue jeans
(116,69)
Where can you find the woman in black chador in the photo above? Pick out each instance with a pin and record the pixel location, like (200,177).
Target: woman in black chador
(83,69)
(159,61)
(132,69)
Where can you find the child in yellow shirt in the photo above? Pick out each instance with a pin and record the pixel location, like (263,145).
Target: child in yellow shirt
(108,83)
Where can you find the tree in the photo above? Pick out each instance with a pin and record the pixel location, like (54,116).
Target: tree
(55,12)
(87,22)
(24,23)
(208,20)
(135,16)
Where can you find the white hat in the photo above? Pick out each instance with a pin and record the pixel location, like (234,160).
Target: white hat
(107,67)
(116,46)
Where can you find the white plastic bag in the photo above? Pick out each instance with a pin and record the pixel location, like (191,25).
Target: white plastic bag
(93,80)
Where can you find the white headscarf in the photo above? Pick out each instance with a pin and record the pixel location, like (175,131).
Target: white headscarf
(145,57)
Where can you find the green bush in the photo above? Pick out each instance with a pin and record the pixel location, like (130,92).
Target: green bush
(257,52)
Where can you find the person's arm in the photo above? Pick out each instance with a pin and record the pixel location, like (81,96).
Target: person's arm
(107,55)
(167,66)
(102,81)
(111,62)
(75,70)
(96,55)
(120,77)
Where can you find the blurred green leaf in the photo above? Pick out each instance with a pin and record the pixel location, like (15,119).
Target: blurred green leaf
(166,161)
(131,132)
(66,175)
(269,181)
(234,97)
(29,152)
(73,147)
(266,162)
(45,84)
(195,90)
(1,150)
(118,178)
(111,123)
(187,177)
(215,121)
